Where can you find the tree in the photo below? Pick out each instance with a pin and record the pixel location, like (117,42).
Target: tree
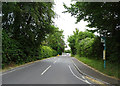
(56,40)
(97,14)
(105,18)
(27,23)
(83,35)
(84,48)
(25,26)
(71,39)
(85,44)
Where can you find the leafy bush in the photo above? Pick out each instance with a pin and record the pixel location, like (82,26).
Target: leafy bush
(75,39)
(84,48)
(47,52)
(55,40)
(71,40)
(85,44)
(97,48)
(54,52)
(10,50)
(12,53)
(21,39)
(113,50)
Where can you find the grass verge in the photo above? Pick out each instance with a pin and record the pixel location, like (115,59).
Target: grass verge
(111,69)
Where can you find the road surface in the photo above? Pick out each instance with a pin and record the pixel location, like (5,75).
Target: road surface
(55,70)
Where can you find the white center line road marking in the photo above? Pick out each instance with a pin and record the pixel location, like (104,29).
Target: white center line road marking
(78,77)
(45,70)
(54,62)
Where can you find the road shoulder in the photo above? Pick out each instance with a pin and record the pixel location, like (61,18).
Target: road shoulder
(4,71)
(89,71)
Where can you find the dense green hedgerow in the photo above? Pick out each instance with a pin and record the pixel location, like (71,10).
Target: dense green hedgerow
(12,53)
(85,44)
(47,52)
(90,47)
(84,48)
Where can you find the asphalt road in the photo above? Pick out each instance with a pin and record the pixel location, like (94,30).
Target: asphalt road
(55,70)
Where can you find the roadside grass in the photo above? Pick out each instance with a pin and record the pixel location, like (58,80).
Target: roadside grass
(112,69)
(72,55)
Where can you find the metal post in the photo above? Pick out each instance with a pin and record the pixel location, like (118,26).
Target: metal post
(103,40)
(104,52)
(104,63)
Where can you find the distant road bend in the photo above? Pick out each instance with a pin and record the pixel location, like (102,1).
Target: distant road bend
(55,70)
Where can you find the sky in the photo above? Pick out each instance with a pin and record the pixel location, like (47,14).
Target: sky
(65,22)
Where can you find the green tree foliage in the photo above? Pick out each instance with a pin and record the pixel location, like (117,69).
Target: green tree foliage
(56,40)
(97,14)
(25,26)
(27,23)
(71,39)
(76,38)
(11,51)
(84,48)
(85,44)
(67,51)
(105,18)
(112,50)
(82,35)
(97,48)
(47,52)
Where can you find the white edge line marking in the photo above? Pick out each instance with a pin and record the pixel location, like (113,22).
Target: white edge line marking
(1,74)
(77,76)
(88,75)
(83,77)
(77,67)
(45,70)
(16,69)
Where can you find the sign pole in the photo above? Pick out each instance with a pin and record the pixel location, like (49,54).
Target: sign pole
(103,40)
(104,52)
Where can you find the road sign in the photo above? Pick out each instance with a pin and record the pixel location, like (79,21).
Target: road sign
(102,39)
(103,54)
